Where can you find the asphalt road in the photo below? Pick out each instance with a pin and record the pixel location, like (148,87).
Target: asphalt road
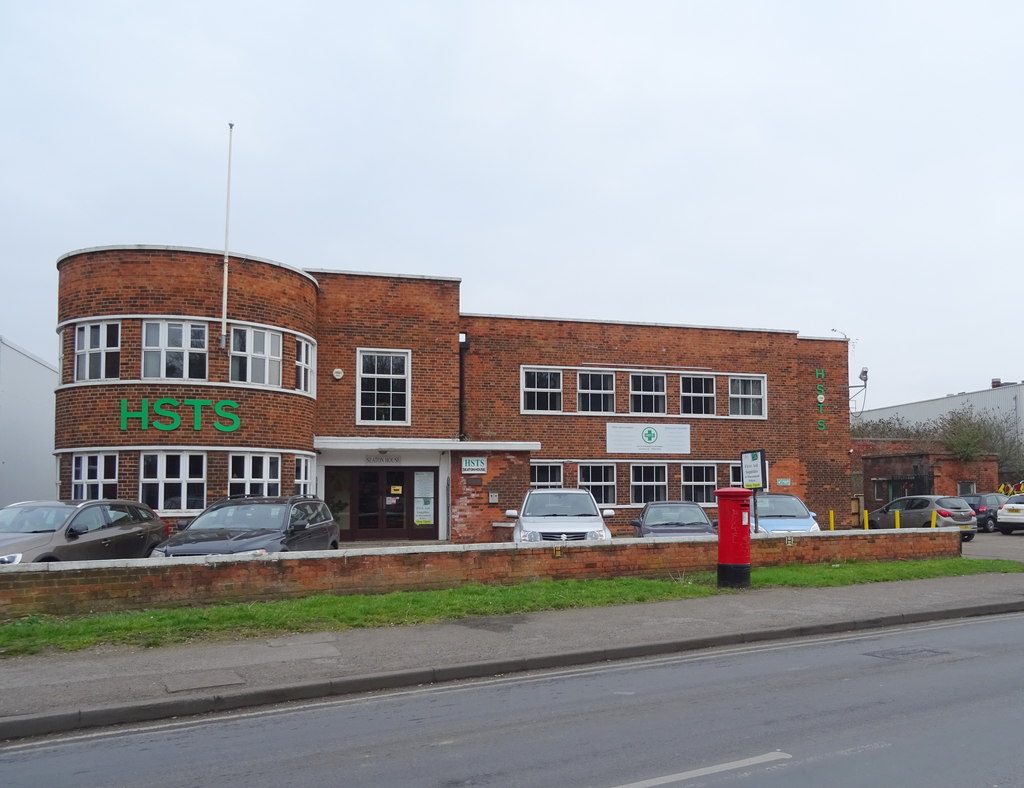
(996,546)
(936,705)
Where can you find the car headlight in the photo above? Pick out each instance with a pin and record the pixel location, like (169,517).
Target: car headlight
(815,527)
(530,536)
(595,534)
(158,553)
(261,551)
(10,558)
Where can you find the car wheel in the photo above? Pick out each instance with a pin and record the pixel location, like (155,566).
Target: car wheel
(334,545)
(967,537)
(1005,531)
(990,527)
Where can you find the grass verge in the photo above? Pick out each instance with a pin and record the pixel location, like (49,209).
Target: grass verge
(157,627)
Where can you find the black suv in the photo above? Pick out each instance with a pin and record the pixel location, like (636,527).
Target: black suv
(986,507)
(255,525)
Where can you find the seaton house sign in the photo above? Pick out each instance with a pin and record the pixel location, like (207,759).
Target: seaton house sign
(168,414)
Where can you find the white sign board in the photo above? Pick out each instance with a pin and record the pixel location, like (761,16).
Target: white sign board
(641,438)
(474,465)
(423,500)
(752,464)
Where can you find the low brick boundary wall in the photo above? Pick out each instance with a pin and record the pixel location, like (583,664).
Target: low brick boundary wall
(108,586)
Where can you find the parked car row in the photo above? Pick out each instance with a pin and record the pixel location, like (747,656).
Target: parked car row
(34,531)
(39,531)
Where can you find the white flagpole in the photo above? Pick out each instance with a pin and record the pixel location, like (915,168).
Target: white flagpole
(227,221)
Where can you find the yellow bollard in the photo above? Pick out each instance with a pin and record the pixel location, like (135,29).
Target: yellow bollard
(831,520)
(897,518)
(934,515)
(865,519)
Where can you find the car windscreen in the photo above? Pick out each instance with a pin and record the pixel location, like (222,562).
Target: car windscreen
(676,515)
(243,517)
(780,506)
(555,505)
(952,503)
(32,519)
(1015,499)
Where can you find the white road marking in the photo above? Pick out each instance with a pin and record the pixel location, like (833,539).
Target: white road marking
(757,760)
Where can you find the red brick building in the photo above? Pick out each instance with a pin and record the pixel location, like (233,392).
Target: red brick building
(893,468)
(185,378)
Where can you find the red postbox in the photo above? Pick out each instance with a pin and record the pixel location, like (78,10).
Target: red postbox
(733,537)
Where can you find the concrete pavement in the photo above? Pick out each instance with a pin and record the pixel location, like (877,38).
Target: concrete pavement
(51,693)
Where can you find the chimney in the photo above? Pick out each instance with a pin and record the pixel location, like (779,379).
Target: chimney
(996,383)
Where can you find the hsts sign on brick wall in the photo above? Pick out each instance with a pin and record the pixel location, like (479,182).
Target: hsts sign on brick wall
(169,414)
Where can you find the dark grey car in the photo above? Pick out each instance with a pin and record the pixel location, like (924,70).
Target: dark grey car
(672,518)
(915,511)
(255,525)
(986,509)
(33,531)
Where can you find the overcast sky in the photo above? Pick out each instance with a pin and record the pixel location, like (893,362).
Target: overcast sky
(832,168)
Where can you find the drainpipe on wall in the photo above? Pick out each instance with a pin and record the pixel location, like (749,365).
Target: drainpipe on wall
(463,349)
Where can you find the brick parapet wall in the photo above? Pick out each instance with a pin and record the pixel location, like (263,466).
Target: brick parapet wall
(110,586)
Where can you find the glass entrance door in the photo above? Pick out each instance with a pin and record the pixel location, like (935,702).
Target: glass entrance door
(377,504)
(381,503)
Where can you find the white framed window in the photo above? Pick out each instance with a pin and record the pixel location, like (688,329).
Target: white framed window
(646,393)
(255,356)
(93,476)
(697,395)
(98,351)
(302,474)
(545,475)
(966,488)
(174,350)
(746,396)
(542,390)
(699,483)
(173,481)
(254,474)
(648,483)
(304,368)
(600,480)
(383,388)
(595,392)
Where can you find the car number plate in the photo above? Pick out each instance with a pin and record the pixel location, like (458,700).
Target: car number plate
(1013,509)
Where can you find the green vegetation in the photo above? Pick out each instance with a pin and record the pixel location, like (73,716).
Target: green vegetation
(965,434)
(37,633)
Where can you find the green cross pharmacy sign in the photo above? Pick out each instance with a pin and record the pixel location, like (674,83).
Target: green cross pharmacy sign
(647,438)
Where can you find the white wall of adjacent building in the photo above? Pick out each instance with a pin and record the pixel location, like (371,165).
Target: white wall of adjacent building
(27,466)
(1004,401)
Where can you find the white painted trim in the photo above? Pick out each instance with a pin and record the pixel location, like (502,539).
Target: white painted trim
(178,447)
(183,383)
(181,319)
(430,444)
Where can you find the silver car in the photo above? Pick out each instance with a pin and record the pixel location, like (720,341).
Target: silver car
(915,511)
(559,515)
